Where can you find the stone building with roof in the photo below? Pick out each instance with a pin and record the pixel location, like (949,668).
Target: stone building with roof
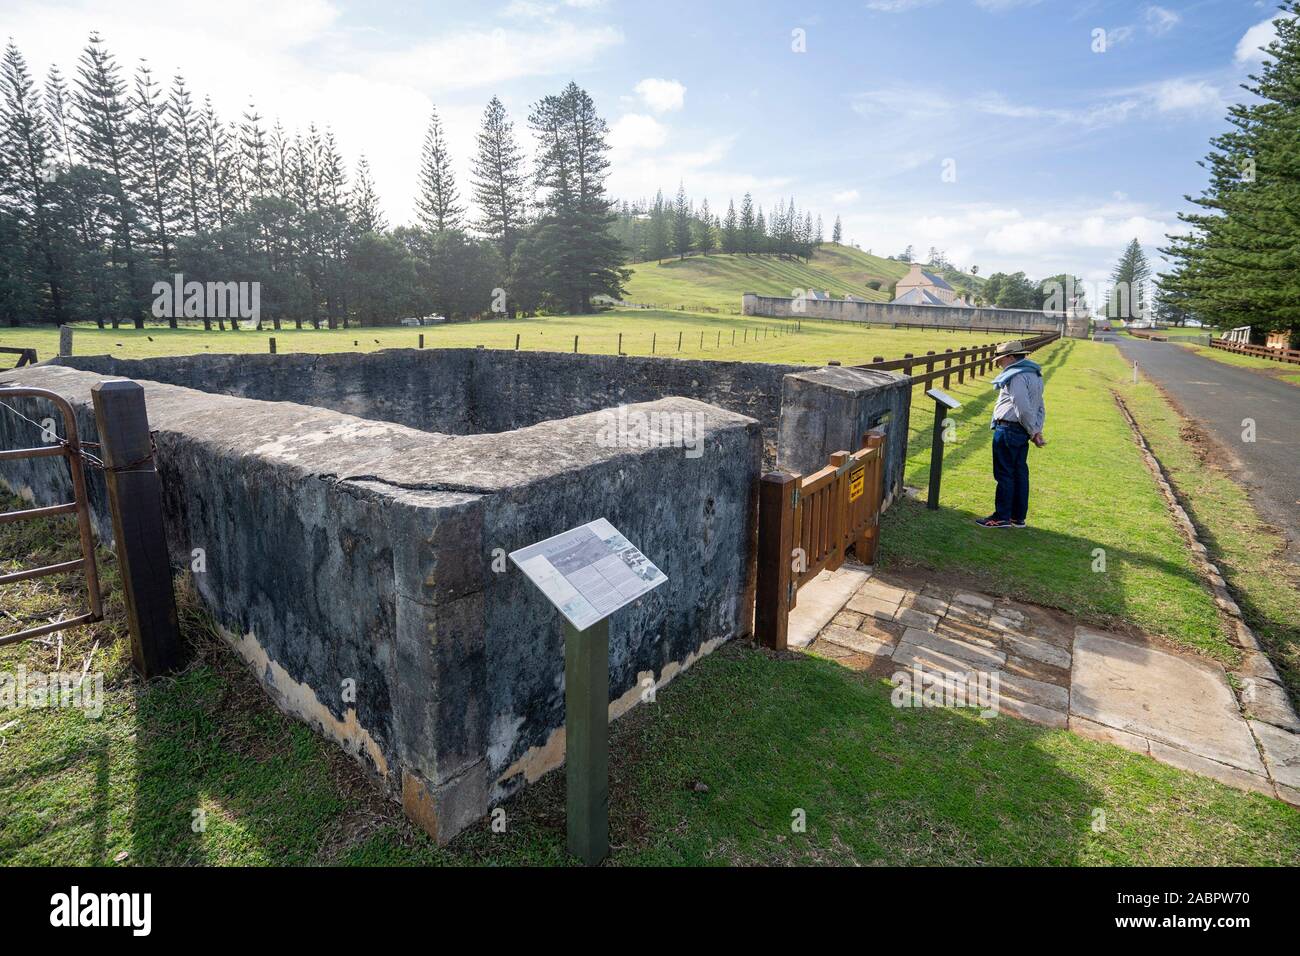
(919,287)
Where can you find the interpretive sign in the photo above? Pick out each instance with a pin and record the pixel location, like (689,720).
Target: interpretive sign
(588,572)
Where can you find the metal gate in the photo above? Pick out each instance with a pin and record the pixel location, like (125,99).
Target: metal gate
(69,448)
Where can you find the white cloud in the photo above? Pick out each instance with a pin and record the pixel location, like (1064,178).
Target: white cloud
(847,196)
(1260,35)
(1160,20)
(1193,96)
(1082,237)
(898,6)
(636,131)
(661,96)
(477,58)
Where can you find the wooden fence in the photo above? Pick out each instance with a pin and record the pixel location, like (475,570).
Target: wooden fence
(807,524)
(975,360)
(1289,356)
(25,356)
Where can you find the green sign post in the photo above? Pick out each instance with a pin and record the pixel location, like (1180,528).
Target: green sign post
(588,573)
(586,742)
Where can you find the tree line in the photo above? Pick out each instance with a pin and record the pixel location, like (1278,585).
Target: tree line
(110,184)
(1239,263)
(662,229)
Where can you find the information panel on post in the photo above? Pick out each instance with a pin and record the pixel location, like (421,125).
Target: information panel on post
(589,572)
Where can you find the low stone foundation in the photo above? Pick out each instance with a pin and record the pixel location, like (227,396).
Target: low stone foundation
(359,565)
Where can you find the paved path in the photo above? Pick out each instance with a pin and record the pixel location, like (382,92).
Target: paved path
(1176,708)
(1218,397)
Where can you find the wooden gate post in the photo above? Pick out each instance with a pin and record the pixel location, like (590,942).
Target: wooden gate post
(776,504)
(135,500)
(865,547)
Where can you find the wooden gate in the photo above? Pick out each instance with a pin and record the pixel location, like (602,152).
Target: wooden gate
(806,525)
(69,448)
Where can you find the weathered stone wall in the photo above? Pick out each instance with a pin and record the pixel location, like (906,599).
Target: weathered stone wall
(883,313)
(829,409)
(343,549)
(467,391)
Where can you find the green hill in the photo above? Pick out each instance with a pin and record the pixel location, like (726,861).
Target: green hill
(716,282)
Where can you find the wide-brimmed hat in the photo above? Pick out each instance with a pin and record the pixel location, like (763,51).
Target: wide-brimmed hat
(1014,347)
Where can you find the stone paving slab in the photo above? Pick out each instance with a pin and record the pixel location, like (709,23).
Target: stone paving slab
(1035,649)
(973,653)
(1281,751)
(855,640)
(1179,709)
(1222,772)
(1268,702)
(821,599)
(1177,701)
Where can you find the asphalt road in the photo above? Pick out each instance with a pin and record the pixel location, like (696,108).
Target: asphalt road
(1218,398)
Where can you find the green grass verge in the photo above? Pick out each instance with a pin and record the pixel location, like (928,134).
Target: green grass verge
(1247,549)
(1090,490)
(201,769)
(701,336)
(1287,373)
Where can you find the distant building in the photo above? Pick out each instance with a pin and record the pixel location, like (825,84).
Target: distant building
(919,287)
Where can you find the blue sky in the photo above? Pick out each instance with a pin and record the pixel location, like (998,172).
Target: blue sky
(1057,152)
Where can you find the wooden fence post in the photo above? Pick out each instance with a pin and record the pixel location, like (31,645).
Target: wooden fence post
(575,345)
(65,340)
(135,501)
(421,345)
(776,506)
(907,369)
(947,361)
(273,345)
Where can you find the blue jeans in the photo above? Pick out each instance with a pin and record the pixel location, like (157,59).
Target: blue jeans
(1011,472)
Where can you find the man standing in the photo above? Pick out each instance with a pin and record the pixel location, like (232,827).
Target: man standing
(1017,420)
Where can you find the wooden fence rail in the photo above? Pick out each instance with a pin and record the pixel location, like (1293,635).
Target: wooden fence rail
(807,524)
(1289,356)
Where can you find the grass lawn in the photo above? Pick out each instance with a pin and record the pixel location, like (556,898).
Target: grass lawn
(201,769)
(716,282)
(1090,490)
(702,337)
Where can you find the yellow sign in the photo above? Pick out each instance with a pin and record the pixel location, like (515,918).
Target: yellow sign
(857,478)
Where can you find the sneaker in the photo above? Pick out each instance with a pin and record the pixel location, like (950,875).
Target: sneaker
(991,522)
(1017,524)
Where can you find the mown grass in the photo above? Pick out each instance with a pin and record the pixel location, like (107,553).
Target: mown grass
(1090,490)
(713,771)
(643,332)
(201,769)
(716,282)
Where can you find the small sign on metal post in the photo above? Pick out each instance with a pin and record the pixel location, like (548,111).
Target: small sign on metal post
(588,573)
(943,402)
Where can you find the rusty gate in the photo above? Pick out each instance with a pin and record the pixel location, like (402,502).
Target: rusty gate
(68,447)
